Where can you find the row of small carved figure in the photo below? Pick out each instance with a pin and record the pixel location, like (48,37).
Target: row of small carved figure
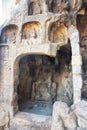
(33,32)
(55,6)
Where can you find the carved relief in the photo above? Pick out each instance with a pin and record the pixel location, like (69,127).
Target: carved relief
(58,33)
(37,7)
(9,33)
(57,6)
(32,31)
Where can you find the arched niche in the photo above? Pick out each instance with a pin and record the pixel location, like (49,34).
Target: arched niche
(27,85)
(36,7)
(32,31)
(44,79)
(58,33)
(32,6)
(57,6)
(9,33)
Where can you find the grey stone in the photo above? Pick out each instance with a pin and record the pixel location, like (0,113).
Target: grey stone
(43,27)
(62,117)
(80,110)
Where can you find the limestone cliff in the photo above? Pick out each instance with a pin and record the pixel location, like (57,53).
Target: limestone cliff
(43,61)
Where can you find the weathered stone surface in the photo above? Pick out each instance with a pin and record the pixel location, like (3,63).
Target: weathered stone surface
(56,119)
(77,60)
(73,35)
(80,109)
(4,119)
(42,79)
(79,128)
(75,49)
(44,27)
(67,120)
(23,121)
(57,123)
(77,69)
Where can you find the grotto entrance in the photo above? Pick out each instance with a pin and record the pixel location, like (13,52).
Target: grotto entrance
(42,80)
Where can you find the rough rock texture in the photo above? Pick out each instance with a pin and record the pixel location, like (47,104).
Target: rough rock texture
(46,79)
(62,111)
(63,118)
(73,118)
(42,48)
(4,117)
(24,121)
(80,110)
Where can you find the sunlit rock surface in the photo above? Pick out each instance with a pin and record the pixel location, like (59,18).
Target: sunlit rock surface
(43,65)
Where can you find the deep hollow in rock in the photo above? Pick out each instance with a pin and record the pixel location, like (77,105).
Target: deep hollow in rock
(57,33)
(31,30)
(44,80)
(9,33)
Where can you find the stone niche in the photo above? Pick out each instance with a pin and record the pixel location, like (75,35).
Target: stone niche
(9,33)
(54,6)
(58,6)
(58,33)
(32,31)
(82,27)
(42,80)
(41,6)
(34,8)
(37,7)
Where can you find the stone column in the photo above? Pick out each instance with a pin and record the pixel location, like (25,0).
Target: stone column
(13,77)
(4,72)
(4,85)
(76,63)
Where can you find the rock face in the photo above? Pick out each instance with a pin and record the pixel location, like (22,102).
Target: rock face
(43,59)
(65,118)
(4,117)
(80,110)
(23,121)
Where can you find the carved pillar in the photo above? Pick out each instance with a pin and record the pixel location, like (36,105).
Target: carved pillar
(4,85)
(76,63)
(4,72)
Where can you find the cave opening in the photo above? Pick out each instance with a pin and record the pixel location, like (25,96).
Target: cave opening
(42,80)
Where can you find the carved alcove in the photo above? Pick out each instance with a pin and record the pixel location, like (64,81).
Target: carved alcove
(57,33)
(35,7)
(32,31)
(9,33)
(57,6)
(40,80)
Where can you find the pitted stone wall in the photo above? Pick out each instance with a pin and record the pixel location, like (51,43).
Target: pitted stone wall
(31,31)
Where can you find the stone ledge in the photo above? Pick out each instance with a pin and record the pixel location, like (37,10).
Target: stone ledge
(23,119)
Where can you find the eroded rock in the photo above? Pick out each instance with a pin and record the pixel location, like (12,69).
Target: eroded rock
(80,110)
(62,111)
(4,119)
(36,27)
